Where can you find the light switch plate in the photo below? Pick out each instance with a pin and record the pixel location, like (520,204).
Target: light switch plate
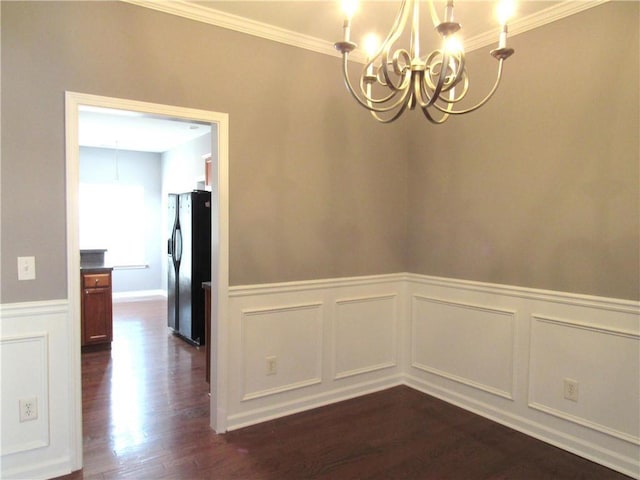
(26,268)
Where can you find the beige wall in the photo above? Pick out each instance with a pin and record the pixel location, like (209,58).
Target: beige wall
(540,188)
(542,191)
(316,188)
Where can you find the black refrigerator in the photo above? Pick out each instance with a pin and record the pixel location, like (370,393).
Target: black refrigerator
(189,255)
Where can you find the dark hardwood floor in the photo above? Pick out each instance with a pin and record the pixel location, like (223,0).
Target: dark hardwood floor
(146,409)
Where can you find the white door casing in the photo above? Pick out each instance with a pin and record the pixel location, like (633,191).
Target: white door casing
(219,260)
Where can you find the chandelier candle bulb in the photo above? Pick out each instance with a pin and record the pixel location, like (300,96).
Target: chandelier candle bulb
(370,45)
(502,43)
(349,8)
(448,12)
(347,29)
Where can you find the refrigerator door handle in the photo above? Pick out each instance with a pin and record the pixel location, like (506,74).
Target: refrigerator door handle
(177,249)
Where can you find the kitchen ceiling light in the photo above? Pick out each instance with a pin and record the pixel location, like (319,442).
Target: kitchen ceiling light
(394,79)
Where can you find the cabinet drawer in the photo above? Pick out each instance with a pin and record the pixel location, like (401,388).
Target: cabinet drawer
(93,280)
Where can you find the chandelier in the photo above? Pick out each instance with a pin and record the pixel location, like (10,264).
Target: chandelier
(394,79)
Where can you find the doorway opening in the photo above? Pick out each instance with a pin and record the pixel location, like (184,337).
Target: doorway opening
(75,102)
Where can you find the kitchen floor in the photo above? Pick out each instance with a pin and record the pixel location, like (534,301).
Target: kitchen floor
(142,396)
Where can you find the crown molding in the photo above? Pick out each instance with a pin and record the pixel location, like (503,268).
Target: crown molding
(222,19)
(529,22)
(237,23)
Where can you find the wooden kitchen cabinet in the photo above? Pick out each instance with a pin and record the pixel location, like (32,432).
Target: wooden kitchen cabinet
(97,318)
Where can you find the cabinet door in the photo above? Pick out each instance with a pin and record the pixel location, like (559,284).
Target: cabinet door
(96,311)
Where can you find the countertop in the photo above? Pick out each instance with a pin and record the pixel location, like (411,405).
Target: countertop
(95,268)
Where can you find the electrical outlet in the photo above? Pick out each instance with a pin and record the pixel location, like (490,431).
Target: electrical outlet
(571,389)
(272,365)
(28,409)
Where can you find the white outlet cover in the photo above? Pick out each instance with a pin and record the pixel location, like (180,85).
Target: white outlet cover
(571,389)
(28,409)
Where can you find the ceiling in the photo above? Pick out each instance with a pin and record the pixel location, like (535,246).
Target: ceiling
(125,130)
(323,19)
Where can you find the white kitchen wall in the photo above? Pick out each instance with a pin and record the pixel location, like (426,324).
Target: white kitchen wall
(182,168)
(143,169)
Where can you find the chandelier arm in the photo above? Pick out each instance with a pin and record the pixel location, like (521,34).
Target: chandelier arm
(398,27)
(399,24)
(394,91)
(428,66)
(482,102)
(461,76)
(450,101)
(426,86)
(453,99)
(434,14)
(461,68)
(368,102)
(433,120)
(388,81)
(414,40)
(401,72)
(437,121)
(394,117)
(431,99)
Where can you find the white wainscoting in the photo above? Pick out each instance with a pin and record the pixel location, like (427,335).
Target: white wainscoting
(36,363)
(332,340)
(500,351)
(504,352)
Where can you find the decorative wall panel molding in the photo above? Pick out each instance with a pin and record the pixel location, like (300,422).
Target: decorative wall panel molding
(290,336)
(604,361)
(364,334)
(29,381)
(467,343)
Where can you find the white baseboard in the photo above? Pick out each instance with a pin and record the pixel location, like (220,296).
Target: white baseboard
(40,469)
(603,456)
(139,296)
(285,408)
